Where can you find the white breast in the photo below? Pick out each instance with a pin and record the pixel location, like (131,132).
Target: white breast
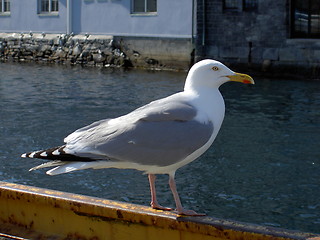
(210,107)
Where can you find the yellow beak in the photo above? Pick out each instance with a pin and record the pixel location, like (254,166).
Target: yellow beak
(240,77)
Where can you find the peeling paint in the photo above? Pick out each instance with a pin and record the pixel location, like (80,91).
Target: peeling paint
(37,213)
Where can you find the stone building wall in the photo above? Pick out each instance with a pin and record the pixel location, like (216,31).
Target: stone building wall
(257,39)
(97,50)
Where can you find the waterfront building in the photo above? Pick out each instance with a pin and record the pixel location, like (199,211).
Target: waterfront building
(160,29)
(259,33)
(270,34)
(138,18)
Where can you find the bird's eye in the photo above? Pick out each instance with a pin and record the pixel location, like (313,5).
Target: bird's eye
(215,68)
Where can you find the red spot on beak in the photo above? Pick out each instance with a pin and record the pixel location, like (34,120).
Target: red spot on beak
(246,81)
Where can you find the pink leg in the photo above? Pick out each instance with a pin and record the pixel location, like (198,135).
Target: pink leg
(180,209)
(154,203)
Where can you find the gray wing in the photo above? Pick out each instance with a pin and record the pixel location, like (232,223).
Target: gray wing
(160,133)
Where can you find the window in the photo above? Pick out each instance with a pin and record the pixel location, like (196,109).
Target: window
(231,4)
(305,18)
(48,6)
(250,5)
(144,6)
(239,5)
(4,6)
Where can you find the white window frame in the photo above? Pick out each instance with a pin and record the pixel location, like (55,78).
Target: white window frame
(5,8)
(49,11)
(145,8)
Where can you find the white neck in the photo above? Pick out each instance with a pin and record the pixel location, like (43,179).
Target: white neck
(210,103)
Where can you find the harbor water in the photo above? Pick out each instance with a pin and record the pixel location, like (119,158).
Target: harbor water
(263,168)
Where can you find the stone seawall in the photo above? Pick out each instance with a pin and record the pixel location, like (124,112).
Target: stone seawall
(97,50)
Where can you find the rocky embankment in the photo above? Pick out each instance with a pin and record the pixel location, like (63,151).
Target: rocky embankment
(70,49)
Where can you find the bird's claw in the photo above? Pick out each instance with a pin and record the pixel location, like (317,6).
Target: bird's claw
(189,213)
(159,207)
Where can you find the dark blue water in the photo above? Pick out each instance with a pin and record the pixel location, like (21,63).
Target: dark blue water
(264,166)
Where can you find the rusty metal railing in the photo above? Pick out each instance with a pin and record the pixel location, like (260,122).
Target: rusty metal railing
(34,213)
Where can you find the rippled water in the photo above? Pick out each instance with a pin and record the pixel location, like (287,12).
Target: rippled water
(264,166)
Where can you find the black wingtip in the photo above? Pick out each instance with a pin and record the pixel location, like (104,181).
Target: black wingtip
(56,153)
(45,154)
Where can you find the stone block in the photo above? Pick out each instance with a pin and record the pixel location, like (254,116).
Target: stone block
(316,55)
(291,54)
(234,52)
(256,53)
(11,43)
(287,54)
(271,54)
(212,51)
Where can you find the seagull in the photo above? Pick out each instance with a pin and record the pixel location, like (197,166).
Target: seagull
(157,138)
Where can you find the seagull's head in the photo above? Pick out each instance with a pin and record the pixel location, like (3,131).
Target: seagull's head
(212,74)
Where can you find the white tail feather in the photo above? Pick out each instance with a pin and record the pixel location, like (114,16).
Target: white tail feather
(47,164)
(75,166)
